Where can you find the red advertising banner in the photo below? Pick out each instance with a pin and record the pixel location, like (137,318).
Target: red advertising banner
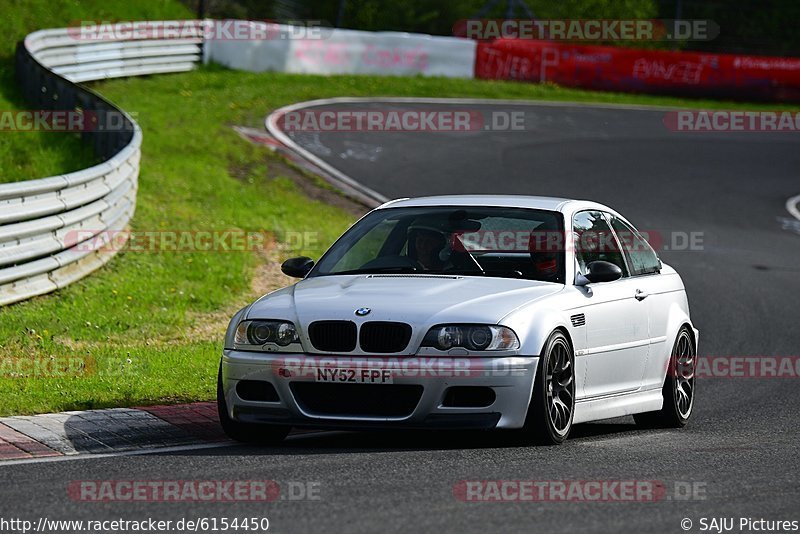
(611,68)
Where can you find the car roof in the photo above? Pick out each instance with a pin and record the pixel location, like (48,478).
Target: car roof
(564,205)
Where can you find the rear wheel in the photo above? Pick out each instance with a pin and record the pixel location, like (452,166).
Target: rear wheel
(678,391)
(552,406)
(246,432)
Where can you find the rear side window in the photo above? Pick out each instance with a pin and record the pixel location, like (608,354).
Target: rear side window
(595,241)
(640,255)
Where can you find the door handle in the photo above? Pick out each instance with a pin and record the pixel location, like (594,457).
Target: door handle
(641,295)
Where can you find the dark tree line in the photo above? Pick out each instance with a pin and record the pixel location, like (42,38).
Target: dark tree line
(746,26)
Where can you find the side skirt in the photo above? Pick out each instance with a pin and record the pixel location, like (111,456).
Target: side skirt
(618,405)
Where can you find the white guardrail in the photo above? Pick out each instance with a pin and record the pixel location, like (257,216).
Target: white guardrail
(46,223)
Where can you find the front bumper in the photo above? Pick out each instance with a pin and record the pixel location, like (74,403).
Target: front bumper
(511,379)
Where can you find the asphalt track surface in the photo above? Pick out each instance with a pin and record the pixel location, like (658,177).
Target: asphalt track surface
(741,446)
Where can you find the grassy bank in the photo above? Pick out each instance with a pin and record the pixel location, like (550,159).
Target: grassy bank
(28,155)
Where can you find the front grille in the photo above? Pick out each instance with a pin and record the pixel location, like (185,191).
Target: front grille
(383,336)
(333,336)
(365,400)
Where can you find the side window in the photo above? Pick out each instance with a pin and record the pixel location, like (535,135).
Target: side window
(640,255)
(595,241)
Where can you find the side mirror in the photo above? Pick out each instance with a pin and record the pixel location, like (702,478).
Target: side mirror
(600,271)
(297,267)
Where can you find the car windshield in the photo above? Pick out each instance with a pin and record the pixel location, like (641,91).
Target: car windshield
(474,241)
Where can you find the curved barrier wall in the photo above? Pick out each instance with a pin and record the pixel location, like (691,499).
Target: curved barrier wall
(274,47)
(52,229)
(263,46)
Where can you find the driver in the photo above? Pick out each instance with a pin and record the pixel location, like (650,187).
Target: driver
(427,244)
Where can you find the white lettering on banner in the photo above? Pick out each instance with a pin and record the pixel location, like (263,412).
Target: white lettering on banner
(681,71)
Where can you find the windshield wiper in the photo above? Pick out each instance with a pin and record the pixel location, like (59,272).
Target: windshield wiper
(458,272)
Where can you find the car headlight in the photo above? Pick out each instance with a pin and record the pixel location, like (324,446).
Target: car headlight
(259,333)
(472,337)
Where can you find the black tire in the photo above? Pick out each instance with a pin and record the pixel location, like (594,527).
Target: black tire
(552,406)
(246,432)
(679,387)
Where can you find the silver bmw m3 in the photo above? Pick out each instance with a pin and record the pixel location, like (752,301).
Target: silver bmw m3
(466,312)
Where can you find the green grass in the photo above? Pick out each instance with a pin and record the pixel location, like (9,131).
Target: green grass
(165,311)
(29,155)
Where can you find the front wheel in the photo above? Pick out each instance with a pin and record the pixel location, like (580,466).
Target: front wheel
(552,406)
(678,391)
(246,432)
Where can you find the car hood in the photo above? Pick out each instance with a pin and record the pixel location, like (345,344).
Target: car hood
(416,299)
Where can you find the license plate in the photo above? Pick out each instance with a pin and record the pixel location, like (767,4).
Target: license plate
(354,376)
